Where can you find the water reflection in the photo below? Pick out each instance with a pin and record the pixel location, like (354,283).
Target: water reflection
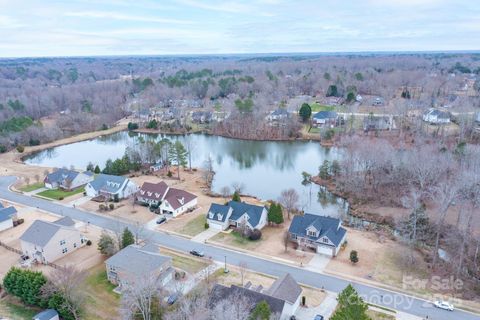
(265,168)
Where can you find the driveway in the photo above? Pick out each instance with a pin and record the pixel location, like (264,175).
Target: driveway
(398,300)
(325,309)
(318,263)
(79,201)
(205,235)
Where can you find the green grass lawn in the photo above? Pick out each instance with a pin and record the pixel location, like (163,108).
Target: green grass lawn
(102,302)
(375,315)
(13,309)
(316,107)
(235,239)
(194,226)
(57,194)
(31,187)
(188,264)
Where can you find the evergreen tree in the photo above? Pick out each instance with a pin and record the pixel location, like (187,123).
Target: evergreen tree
(26,285)
(354,256)
(324,170)
(236,197)
(275,214)
(97,169)
(305,112)
(106,244)
(416,227)
(127,238)
(350,306)
(178,155)
(261,311)
(335,168)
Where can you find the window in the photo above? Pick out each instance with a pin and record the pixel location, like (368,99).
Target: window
(62,242)
(64,250)
(325,240)
(74,245)
(312,233)
(293,236)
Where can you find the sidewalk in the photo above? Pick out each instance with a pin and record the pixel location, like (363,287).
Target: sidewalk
(202,237)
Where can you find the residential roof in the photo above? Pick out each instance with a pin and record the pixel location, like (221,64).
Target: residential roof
(279,112)
(220,293)
(46,315)
(108,183)
(327,226)
(41,232)
(177,197)
(325,115)
(7,213)
(137,260)
(61,175)
(153,191)
(218,209)
(438,113)
(240,208)
(285,288)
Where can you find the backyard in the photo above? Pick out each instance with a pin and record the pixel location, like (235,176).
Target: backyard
(15,310)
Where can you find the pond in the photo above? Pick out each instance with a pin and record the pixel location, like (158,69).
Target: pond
(263,168)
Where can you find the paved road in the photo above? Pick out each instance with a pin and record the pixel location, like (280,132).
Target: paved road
(371,294)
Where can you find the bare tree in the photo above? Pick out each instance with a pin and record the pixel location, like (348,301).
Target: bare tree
(242,269)
(67,282)
(208,172)
(233,307)
(286,240)
(289,199)
(238,187)
(139,297)
(225,191)
(37,178)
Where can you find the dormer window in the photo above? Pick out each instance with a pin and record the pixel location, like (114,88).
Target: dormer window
(312,233)
(210,215)
(325,240)
(219,216)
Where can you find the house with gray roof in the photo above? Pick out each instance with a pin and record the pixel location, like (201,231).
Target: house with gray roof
(7,217)
(278,114)
(325,235)
(134,262)
(67,179)
(45,242)
(283,297)
(49,314)
(436,116)
(110,186)
(235,214)
(325,118)
(377,123)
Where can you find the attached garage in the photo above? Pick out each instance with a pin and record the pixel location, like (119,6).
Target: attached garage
(326,250)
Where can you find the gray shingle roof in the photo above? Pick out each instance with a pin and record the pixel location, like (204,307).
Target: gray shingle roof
(61,175)
(46,315)
(220,293)
(325,115)
(40,232)
(138,261)
(328,226)
(108,183)
(7,213)
(218,209)
(279,112)
(285,288)
(239,208)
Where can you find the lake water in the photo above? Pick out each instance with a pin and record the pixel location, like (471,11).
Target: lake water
(264,168)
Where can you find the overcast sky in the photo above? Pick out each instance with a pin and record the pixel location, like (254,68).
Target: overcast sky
(123,27)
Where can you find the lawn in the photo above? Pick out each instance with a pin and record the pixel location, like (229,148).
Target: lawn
(376,315)
(194,226)
(188,264)
(102,302)
(31,187)
(316,107)
(15,310)
(235,239)
(58,194)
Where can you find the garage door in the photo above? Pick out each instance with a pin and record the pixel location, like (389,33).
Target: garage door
(325,250)
(215,226)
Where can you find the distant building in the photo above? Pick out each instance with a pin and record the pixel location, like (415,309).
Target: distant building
(202,116)
(278,114)
(110,186)
(236,213)
(435,116)
(377,123)
(169,200)
(67,179)
(7,217)
(325,119)
(46,241)
(325,235)
(378,101)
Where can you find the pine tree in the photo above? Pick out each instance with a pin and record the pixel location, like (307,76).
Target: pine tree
(350,306)
(416,227)
(324,170)
(236,197)
(275,214)
(354,256)
(261,311)
(127,238)
(178,155)
(305,112)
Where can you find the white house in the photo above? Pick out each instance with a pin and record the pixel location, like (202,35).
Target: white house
(435,116)
(46,241)
(169,200)
(325,235)
(110,187)
(7,216)
(67,179)
(236,213)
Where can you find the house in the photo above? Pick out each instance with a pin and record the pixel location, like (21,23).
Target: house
(358,98)
(67,179)
(378,101)
(134,262)
(111,187)
(235,214)
(7,216)
(49,314)
(325,235)
(283,297)
(46,241)
(325,118)
(278,114)
(335,101)
(436,116)
(374,123)
(202,116)
(169,200)
(157,167)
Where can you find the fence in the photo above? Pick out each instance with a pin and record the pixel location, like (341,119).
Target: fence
(2,244)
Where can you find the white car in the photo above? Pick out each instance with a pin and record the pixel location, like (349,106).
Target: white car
(443,305)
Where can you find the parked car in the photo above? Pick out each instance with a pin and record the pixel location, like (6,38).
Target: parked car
(161,220)
(197,253)
(293,318)
(443,305)
(318,317)
(172,299)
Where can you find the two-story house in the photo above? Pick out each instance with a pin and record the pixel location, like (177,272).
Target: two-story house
(325,235)
(110,187)
(46,242)
(67,179)
(235,214)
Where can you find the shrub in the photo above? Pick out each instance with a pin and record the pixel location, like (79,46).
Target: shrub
(111,206)
(354,256)
(179,275)
(89,242)
(101,207)
(60,198)
(25,284)
(255,235)
(3,149)
(169,174)
(104,127)
(206,225)
(20,148)
(132,126)
(34,142)
(116,198)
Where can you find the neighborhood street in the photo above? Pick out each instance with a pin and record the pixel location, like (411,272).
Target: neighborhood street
(383,297)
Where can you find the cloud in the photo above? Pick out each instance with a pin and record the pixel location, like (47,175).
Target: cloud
(124,17)
(7,22)
(223,6)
